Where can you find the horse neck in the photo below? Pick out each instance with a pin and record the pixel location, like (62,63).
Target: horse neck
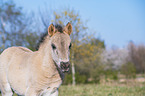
(47,61)
(48,64)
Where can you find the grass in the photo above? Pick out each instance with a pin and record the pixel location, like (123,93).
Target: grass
(102,90)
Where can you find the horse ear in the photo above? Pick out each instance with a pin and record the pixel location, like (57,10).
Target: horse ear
(51,30)
(68,28)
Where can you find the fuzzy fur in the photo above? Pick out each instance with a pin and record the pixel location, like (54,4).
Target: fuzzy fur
(34,73)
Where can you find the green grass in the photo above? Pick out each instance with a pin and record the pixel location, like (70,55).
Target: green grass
(101,90)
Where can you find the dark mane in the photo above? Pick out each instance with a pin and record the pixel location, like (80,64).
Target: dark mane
(41,40)
(58,28)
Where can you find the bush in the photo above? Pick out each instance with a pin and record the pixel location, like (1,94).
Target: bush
(128,70)
(81,79)
(111,74)
(67,79)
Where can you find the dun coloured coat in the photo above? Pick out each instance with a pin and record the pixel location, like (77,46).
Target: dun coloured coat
(38,73)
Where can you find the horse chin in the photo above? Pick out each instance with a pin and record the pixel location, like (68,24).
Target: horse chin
(65,70)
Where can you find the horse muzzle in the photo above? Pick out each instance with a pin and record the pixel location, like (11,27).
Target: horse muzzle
(65,66)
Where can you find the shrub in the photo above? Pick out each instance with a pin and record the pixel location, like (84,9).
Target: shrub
(81,79)
(128,70)
(67,79)
(111,74)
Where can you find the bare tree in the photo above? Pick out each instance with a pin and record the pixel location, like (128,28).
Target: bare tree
(137,56)
(15,26)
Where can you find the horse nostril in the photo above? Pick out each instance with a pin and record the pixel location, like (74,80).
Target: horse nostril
(65,64)
(61,63)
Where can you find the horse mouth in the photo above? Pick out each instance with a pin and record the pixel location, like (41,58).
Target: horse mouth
(65,70)
(65,67)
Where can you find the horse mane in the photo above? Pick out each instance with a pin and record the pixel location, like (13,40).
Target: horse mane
(58,28)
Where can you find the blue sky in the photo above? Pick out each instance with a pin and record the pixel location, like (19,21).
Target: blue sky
(115,21)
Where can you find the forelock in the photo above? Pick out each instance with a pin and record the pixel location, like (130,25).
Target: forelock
(59,28)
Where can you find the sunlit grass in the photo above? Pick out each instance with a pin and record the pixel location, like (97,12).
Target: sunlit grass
(102,90)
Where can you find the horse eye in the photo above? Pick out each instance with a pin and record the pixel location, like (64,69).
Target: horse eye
(70,46)
(53,46)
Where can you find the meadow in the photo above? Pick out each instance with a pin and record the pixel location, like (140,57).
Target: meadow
(102,90)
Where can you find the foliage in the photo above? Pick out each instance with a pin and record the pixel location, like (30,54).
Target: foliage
(128,70)
(15,27)
(80,79)
(31,40)
(87,58)
(67,79)
(111,74)
(9,18)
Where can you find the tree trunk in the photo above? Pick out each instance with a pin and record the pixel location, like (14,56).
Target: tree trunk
(73,69)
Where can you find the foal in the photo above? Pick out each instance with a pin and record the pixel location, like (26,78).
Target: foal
(38,73)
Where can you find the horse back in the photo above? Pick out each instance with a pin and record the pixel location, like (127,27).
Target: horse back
(11,52)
